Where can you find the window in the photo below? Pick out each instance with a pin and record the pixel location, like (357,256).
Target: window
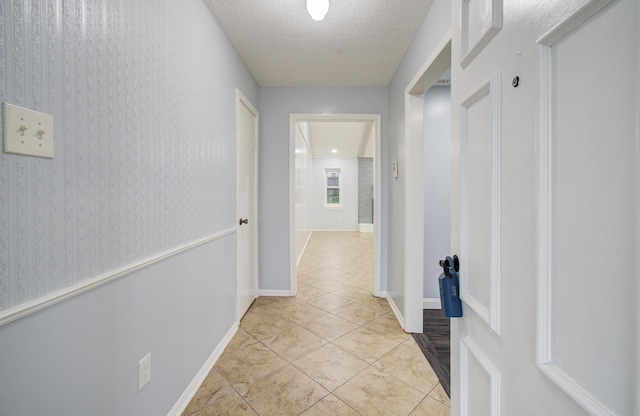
(332,188)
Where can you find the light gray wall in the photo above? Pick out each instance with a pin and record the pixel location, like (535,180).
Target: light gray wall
(437,185)
(345,217)
(276,104)
(143,99)
(365,190)
(435,25)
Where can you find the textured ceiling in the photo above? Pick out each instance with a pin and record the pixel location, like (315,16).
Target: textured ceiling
(359,43)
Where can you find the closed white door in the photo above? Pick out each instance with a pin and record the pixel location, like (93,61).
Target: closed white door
(545,207)
(247,206)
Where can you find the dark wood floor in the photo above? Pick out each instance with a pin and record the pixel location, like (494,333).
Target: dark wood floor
(435,344)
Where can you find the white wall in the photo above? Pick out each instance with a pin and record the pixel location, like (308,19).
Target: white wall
(437,185)
(143,96)
(304,188)
(434,27)
(345,217)
(276,104)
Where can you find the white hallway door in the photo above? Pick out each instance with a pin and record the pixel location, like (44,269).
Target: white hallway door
(545,207)
(247,206)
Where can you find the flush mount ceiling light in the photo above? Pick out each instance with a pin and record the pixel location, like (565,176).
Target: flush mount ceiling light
(334,150)
(317,9)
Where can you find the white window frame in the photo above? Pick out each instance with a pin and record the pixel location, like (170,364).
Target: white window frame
(327,187)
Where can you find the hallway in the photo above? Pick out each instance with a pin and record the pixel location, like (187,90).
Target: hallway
(331,350)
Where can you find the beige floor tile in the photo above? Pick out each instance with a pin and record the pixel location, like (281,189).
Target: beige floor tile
(366,344)
(388,326)
(440,395)
(330,366)
(294,343)
(409,366)
(352,292)
(373,392)
(243,367)
(286,391)
(329,302)
(240,340)
(301,312)
(263,326)
(306,292)
(357,313)
(330,406)
(230,405)
(213,388)
(329,326)
(278,302)
(378,304)
(328,285)
(411,343)
(431,407)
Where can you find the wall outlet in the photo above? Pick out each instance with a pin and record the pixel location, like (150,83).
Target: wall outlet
(144,371)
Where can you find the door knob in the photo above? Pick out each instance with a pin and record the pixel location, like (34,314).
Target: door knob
(243,221)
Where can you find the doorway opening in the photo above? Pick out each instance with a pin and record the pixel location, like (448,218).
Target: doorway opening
(428,205)
(310,191)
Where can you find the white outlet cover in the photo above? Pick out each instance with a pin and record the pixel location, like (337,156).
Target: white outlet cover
(144,371)
(27,132)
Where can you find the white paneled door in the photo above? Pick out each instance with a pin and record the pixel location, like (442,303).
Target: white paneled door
(546,207)
(247,205)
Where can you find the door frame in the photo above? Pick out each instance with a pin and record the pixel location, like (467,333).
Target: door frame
(428,74)
(294,119)
(242,100)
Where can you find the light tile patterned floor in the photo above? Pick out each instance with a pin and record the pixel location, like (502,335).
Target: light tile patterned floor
(332,350)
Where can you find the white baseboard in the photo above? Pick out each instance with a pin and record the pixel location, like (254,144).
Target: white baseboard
(431,303)
(278,293)
(306,243)
(396,311)
(197,381)
(365,228)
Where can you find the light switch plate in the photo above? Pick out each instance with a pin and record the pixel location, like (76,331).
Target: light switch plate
(27,132)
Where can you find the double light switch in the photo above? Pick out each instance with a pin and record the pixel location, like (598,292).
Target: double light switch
(27,132)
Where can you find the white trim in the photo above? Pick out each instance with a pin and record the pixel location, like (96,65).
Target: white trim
(431,303)
(544,338)
(489,313)
(429,73)
(61,295)
(396,311)
(349,230)
(306,243)
(377,190)
(275,293)
(199,378)
(495,388)
(365,228)
(467,52)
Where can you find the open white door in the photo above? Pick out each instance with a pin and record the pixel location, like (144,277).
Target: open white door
(247,205)
(545,207)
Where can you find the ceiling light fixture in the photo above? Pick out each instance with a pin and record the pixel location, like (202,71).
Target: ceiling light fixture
(317,9)
(334,150)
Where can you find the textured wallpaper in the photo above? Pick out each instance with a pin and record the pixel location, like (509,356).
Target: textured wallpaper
(142,94)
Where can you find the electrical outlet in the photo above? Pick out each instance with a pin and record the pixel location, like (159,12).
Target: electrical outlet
(144,371)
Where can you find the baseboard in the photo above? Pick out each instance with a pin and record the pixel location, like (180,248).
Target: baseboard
(277,293)
(350,230)
(431,303)
(396,311)
(365,228)
(197,381)
(306,243)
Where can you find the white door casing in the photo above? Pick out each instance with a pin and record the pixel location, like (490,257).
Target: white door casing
(545,207)
(296,118)
(247,204)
